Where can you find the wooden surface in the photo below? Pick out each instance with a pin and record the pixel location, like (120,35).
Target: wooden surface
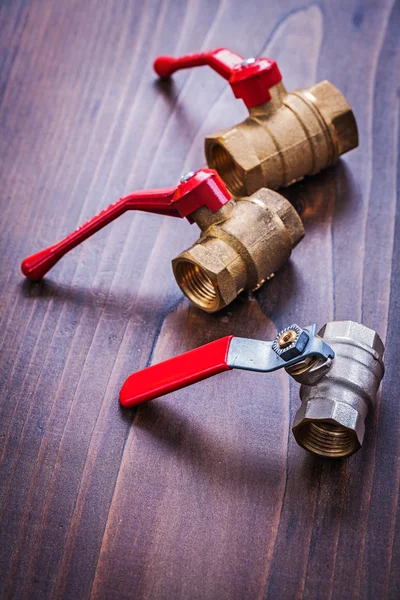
(203,494)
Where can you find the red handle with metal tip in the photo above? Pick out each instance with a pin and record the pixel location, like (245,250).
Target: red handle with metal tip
(176,373)
(250,79)
(203,188)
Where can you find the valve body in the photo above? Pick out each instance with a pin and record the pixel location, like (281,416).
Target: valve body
(241,246)
(293,135)
(337,395)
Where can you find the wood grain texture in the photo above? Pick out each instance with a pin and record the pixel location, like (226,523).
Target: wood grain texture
(203,494)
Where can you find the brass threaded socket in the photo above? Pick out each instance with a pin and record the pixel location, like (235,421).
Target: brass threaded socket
(328,439)
(294,135)
(198,285)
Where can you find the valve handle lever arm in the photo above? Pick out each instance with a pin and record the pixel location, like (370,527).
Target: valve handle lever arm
(176,373)
(249,79)
(227,353)
(36,266)
(221,60)
(203,188)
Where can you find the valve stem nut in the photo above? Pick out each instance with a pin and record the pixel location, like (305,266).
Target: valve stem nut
(186,176)
(290,342)
(248,61)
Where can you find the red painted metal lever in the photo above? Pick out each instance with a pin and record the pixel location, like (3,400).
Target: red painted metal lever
(249,79)
(202,188)
(176,373)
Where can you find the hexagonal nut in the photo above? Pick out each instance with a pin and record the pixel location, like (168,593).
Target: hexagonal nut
(337,111)
(204,278)
(296,347)
(320,411)
(230,153)
(311,375)
(354,331)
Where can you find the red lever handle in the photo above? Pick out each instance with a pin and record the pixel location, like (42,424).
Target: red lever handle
(222,60)
(203,188)
(249,79)
(36,266)
(176,373)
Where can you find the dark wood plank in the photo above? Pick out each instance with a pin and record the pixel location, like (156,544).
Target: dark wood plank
(203,494)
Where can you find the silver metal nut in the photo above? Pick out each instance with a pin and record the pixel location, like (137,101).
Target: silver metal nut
(310,374)
(290,342)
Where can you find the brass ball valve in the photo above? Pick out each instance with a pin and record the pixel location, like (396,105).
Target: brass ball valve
(242,243)
(286,136)
(340,370)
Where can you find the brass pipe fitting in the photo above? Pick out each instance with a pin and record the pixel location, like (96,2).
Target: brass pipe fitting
(241,246)
(286,136)
(337,394)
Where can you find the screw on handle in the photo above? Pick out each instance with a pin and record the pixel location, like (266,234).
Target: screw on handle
(203,188)
(176,373)
(249,79)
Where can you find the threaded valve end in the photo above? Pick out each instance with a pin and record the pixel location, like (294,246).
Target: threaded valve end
(220,159)
(197,286)
(327,439)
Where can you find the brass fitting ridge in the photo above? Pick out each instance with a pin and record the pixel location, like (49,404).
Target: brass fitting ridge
(242,243)
(286,136)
